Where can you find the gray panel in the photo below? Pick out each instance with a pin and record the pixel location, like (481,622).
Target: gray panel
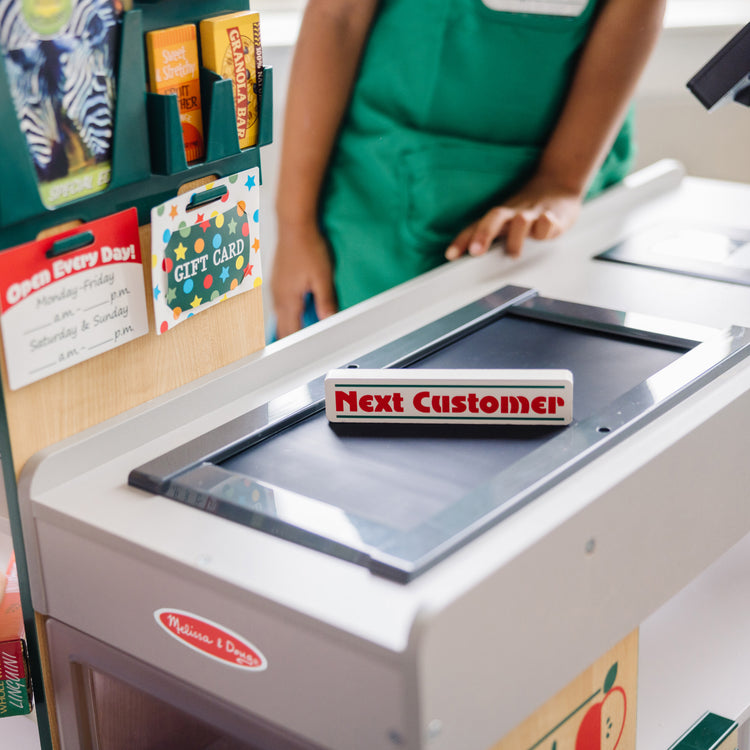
(706,253)
(143,706)
(397,499)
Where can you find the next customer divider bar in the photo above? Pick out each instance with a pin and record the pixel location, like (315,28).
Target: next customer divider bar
(535,397)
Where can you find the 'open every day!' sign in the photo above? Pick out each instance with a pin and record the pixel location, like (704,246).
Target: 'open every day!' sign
(63,306)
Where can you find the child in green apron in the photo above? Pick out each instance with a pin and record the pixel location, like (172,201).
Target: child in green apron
(421,130)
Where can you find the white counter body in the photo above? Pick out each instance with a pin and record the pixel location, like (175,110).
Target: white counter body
(463,653)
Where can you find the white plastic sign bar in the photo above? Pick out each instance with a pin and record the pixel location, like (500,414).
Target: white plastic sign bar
(525,397)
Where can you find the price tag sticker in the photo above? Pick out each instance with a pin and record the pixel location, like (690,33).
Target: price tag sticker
(70,297)
(539,7)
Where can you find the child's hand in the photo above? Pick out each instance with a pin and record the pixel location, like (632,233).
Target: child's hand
(541,210)
(302,264)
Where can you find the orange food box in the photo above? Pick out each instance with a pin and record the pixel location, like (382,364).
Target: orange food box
(173,68)
(230,46)
(11,617)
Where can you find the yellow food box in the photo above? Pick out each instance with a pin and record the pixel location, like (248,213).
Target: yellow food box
(230,46)
(173,68)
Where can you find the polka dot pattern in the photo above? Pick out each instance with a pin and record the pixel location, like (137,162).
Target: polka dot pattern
(205,253)
(210,255)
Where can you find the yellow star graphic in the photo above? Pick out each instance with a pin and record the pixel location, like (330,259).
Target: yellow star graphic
(180,251)
(196,301)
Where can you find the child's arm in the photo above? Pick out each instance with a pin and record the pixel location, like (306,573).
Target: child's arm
(326,58)
(613,58)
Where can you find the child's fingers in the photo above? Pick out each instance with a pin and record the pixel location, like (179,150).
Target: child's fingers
(546,227)
(515,224)
(288,319)
(519,228)
(460,244)
(489,227)
(324,296)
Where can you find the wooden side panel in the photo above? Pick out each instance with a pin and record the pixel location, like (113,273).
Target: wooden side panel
(596,710)
(90,392)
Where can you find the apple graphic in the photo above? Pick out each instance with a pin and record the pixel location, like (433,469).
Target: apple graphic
(602,726)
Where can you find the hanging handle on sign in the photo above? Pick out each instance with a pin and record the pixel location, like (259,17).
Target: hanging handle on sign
(69,244)
(207,196)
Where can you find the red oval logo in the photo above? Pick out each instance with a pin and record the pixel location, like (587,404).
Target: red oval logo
(211,639)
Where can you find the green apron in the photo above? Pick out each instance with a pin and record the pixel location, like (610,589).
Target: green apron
(452,106)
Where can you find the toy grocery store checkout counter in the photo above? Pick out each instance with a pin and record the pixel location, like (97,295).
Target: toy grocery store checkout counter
(227,559)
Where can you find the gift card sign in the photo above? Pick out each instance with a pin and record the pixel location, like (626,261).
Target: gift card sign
(67,298)
(205,247)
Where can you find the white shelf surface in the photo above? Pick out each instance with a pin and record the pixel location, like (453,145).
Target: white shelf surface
(695,653)
(16,732)
(19,733)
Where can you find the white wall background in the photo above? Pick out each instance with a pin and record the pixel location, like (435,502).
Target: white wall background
(670,121)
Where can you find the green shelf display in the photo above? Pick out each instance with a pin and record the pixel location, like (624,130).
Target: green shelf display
(148,155)
(148,167)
